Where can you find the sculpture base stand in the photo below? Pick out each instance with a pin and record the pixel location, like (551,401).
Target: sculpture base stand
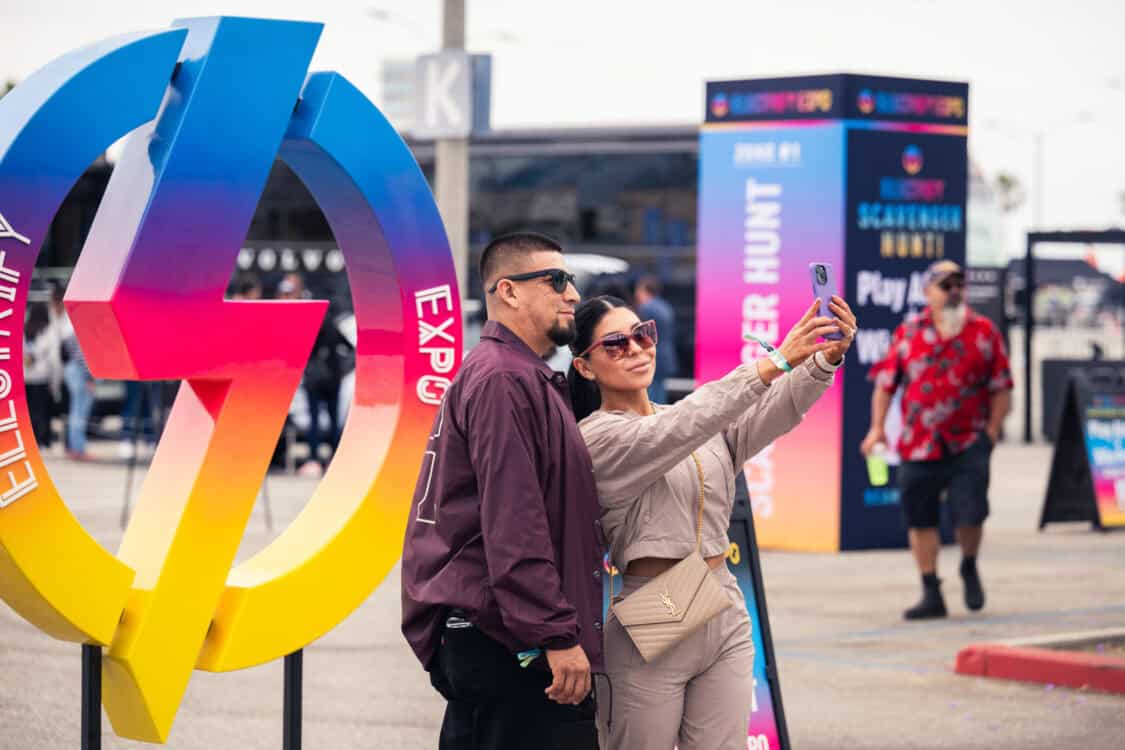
(92,699)
(291,717)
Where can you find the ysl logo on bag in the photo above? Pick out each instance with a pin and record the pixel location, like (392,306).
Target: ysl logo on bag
(666,600)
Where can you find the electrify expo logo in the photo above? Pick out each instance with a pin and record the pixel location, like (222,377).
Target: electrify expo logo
(908,189)
(866,102)
(912,160)
(209,105)
(804,102)
(917,105)
(720,106)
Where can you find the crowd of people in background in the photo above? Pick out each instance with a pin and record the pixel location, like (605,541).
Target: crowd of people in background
(61,391)
(54,367)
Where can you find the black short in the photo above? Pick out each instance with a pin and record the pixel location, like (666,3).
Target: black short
(495,704)
(965,476)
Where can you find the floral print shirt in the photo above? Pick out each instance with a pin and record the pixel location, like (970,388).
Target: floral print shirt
(947,384)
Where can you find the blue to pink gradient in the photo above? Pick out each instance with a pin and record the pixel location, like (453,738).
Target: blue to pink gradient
(805,464)
(211,105)
(1105,450)
(52,126)
(891,126)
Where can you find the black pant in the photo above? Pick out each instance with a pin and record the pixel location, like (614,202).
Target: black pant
(495,704)
(39,407)
(329,402)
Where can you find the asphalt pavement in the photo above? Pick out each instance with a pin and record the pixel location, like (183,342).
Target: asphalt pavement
(853,674)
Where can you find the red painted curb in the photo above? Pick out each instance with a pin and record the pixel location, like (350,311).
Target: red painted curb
(1065,668)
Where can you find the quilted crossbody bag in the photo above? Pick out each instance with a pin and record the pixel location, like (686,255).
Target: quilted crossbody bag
(675,603)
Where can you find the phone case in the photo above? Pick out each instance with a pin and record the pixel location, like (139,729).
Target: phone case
(823,290)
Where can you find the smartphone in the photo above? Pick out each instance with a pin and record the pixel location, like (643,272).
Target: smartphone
(824,286)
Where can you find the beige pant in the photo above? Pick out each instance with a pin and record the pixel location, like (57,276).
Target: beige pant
(698,693)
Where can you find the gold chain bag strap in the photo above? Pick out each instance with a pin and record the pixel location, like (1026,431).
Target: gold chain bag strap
(675,603)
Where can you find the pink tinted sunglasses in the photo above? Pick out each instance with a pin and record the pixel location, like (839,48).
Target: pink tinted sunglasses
(617,344)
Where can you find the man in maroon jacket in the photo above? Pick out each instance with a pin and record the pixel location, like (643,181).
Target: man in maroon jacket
(502,558)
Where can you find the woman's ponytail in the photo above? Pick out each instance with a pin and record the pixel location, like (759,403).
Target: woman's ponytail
(585,398)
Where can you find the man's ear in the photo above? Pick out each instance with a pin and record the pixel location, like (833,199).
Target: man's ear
(508,294)
(583,368)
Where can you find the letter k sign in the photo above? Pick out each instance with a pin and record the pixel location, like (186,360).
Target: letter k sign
(445,86)
(442,110)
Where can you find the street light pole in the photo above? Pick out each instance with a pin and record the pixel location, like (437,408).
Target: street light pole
(451,160)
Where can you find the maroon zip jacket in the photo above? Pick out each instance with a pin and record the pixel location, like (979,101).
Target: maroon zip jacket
(504,523)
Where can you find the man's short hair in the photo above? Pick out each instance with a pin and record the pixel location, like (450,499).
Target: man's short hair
(503,250)
(650,284)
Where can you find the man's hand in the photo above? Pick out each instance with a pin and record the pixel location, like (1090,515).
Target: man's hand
(571,670)
(874,436)
(993,432)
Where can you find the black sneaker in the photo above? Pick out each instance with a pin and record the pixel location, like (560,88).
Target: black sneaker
(974,592)
(931,606)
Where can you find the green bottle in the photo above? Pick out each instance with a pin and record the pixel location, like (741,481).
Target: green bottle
(877,465)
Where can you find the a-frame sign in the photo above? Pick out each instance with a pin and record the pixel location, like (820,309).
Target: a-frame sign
(1087,480)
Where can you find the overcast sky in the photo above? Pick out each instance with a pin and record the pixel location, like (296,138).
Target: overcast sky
(1058,67)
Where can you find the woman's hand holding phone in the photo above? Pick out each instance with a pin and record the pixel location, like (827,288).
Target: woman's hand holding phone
(801,342)
(846,318)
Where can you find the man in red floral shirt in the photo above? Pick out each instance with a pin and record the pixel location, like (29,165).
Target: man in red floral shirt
(952,367)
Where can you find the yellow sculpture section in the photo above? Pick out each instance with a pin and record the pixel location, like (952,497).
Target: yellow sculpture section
(52,572)
(354,525)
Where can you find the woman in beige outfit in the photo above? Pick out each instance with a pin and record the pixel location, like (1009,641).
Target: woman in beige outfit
(648,460)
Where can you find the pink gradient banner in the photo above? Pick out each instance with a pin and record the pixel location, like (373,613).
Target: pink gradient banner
(771,202)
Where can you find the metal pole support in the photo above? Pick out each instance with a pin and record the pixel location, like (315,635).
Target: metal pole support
(291,719)
(91,697)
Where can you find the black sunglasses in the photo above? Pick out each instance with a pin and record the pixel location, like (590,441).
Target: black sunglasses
(559,279)
(951,284)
